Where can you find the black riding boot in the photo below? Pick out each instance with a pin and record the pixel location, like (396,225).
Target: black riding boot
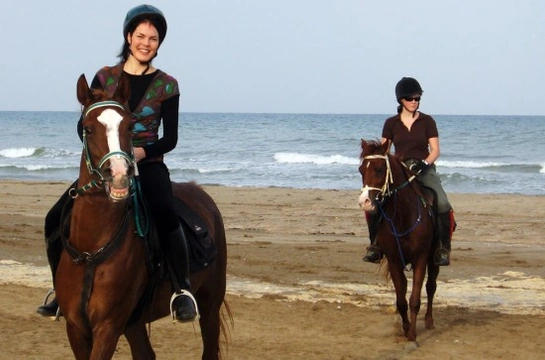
(373,252)
(54,249)
(445,229)
(53,243)
(182,304)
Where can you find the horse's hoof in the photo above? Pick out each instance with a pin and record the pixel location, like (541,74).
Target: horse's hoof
(429,325)
(411,345)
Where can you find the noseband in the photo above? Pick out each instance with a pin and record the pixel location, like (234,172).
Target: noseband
(95,171)
(385,190)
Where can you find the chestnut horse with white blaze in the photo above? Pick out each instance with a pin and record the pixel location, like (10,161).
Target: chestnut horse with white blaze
(104,285)
(406,233)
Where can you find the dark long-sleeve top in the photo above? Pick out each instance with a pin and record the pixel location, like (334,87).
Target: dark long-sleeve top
(169,114)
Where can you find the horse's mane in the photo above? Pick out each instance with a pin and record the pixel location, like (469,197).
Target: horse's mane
(371,147)
(98,94)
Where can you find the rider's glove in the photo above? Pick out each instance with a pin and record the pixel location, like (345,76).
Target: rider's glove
(420,167)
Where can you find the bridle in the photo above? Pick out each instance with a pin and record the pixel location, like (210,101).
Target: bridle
(98,179)
(385,191)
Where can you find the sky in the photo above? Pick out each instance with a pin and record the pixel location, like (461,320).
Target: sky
(471,57)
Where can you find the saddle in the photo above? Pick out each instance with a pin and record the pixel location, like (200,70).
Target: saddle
(200,245)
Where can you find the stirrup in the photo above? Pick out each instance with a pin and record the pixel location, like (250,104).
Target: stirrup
(57,316)
(442,257)
(190,296)
(373,255)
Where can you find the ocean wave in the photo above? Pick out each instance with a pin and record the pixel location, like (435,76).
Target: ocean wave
(495,166)
(37,167)
(27,152)
(296,158)
(14,153)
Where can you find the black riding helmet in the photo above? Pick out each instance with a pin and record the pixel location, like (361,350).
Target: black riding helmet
(407,86)
(145,12)
(134,17)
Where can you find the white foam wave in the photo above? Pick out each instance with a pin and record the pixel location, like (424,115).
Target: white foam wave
(38,167)
(468,164)
(296,158)
(510,292)
(18,152)
(213,170)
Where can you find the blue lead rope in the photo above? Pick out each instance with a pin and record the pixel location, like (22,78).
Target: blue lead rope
(395,232)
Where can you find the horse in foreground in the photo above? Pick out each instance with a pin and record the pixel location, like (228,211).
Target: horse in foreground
(104,285)
(406,233)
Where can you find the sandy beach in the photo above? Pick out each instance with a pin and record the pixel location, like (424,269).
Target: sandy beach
(298,288)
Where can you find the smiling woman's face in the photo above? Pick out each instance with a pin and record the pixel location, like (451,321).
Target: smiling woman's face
(144,42)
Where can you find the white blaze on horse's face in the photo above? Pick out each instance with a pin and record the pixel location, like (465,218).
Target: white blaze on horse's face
(111,120)
(365,201)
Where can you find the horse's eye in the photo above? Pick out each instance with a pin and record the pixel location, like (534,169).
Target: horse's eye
(87,130)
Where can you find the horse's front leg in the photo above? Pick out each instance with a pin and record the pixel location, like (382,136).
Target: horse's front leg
(105,339)
(138,340)
(419,273)
(80,343)
(400,284)
(431,286)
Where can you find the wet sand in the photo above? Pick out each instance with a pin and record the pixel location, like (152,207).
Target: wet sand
(298,288)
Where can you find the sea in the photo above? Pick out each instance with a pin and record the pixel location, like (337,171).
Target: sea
(479,154)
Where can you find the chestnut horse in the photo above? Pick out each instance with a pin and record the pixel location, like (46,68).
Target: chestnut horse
(104,285)
(406,233)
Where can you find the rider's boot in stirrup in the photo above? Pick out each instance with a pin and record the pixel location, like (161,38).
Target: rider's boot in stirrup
(182,303)
(373,252)
(445,229)
(54,249)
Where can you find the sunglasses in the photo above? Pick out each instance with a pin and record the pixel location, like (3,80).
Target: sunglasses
(407,98)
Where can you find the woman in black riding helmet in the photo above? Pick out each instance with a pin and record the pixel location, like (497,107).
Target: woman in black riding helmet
(416,141)
(154,99)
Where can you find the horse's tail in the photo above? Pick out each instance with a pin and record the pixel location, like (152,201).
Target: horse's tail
(384,269)
(227,324)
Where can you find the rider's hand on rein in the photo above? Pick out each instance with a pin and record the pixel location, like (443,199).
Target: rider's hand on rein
(420,167)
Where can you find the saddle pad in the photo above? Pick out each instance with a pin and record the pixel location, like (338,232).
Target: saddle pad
(200,244)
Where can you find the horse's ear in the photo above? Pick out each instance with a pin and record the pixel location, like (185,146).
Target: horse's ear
(387,145)
(123,90)
(83,92)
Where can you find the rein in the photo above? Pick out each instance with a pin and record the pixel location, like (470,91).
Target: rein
(92,260)
(95,171)
(385,192)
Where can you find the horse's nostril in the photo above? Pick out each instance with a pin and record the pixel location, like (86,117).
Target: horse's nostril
(124,181)
(107,173)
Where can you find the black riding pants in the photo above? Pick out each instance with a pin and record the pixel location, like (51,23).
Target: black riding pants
(157,189)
